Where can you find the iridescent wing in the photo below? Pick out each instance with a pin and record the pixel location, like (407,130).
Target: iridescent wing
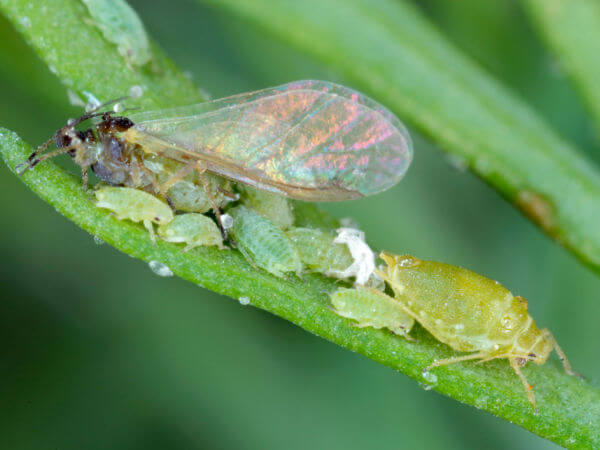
(310,140)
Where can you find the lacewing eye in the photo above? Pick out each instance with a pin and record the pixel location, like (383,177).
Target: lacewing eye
(309,140)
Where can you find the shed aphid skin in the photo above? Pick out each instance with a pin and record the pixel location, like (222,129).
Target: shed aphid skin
(372,308)
(470,313)
(263,243)
(193,229)
(120,24)
(134,205)
(363,266)
(272,206)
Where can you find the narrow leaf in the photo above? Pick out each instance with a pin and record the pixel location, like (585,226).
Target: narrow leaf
(387,49)
(572,30)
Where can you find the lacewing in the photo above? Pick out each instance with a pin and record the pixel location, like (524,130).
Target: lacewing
(309,140)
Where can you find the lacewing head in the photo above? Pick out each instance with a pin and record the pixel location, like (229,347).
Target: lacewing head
(310,140)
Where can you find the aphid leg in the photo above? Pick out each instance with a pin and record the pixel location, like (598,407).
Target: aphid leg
(445,362)
(155,184)
(514,363)
(179,175)
(228,194)
(188,247)
(211,198)
(84,177)
(150,228)
(561,354)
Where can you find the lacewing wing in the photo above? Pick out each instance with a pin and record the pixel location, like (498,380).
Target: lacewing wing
(309,140)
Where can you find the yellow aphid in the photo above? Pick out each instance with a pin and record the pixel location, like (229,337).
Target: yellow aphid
(192,229)
(372,308)
(134,205)
(470,313)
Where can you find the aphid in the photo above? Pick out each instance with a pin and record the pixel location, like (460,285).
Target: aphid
(470,313)
(190,194)
(263,243)
(134,205)
(193,229)
(120,24)
(272,206)
(318,251)
(372,308)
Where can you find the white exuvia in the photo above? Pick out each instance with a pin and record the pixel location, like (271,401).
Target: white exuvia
(364,259)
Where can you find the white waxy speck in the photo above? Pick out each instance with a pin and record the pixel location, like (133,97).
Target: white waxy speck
(348,222)
(226,221)
(457,162)
(430,378)
(160,269)
(205,94)
(98,241)
(136,91)
(25,21)
(459,327)
(92,101)
(74,99)
(71,121)
(407,262)
(52,69)
(244,300)
(118,107)
(364,258)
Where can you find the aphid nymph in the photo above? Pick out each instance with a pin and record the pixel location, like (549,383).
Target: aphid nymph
(470,313)
(372,308)
(134,205)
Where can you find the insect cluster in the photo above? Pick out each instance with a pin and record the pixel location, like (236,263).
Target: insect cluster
(460,308)
(239,159)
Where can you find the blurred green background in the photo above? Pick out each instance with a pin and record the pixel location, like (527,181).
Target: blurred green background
(98,352)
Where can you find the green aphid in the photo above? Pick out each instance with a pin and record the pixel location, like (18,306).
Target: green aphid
(189,194)
(134,205)
(195,230)
(121,25)
(274,207)
(318,251)
(372,308)
(263,243)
